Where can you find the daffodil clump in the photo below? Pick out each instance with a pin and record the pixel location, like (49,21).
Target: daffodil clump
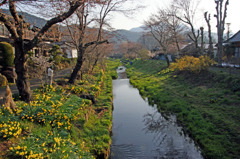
(49,145)
(9,125)
(91,87)
(10,129)
(60,124)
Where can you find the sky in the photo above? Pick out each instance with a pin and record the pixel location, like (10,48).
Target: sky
(151,6)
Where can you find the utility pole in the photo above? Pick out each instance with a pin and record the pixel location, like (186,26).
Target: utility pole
(228,31)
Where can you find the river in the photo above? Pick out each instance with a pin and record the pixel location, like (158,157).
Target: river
(141,132)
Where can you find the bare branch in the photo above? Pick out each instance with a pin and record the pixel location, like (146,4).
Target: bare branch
(95,43)
(53,21)
(3,2)
(9,25)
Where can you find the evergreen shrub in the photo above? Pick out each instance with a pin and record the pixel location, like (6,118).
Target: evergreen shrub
(6,54)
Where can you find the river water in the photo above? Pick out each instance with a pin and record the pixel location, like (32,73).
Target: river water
(141,132)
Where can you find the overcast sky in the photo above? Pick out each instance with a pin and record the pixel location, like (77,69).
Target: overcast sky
(233,17)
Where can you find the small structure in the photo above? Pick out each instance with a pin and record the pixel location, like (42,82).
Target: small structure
(232,48)
(191,50)
(42,49)
(68,49)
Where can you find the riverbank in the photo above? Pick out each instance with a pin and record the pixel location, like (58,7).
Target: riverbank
(63,121)
(206,105)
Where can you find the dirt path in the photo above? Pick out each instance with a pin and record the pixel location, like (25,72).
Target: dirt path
(36,83)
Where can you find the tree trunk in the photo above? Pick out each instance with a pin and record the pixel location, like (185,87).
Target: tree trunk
(22,82)
(220,46)
(167,59)
(202,40)
(220,50)
(95,62)
(78,66)
(21,70)
(210,48)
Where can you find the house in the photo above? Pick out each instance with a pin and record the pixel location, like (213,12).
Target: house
(232,48)
(191,50)
(42,49)
(68,49)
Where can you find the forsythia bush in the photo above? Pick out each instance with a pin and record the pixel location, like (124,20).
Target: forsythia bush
(192,64)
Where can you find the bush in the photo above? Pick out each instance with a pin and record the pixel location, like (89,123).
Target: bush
(192,64)
(30,53)
(58,59)
(55,51)
(7,56)
(3,80)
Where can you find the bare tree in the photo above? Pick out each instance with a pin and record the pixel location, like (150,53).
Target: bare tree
(207,18)
(220,16)
(15,25)
(130,49)
(85,18)
(175,25)
(161,29)
(188,10)
(79,38)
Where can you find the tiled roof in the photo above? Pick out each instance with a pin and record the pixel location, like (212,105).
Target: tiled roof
(234,38)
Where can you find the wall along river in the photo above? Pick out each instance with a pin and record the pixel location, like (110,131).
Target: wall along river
(141,132)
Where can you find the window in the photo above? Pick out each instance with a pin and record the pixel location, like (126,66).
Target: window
(237,52)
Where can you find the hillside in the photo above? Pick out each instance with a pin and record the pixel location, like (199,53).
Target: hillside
(37,21)
(125,35)
(139,29)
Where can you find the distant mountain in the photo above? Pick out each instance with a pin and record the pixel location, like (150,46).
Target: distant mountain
(34,20)
(125,35)
(138,29)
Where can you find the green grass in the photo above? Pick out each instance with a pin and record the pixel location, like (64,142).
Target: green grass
(205,104)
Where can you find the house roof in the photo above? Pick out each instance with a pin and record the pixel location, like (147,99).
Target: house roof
(62,44)
(234,38)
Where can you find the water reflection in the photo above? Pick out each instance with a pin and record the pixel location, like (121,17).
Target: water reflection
(155,124)
(140,132)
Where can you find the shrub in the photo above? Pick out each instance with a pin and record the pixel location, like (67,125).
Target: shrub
(55,51)
(30,53)
(192,64)
(58,59)
(3,80)
(6,53)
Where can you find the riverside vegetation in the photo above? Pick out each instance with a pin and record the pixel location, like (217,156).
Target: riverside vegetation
(206,103)
(60,124)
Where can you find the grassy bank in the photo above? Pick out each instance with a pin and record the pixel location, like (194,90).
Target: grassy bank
(60,124)
(206,105)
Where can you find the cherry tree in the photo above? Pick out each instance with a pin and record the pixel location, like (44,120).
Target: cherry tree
(16,26)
